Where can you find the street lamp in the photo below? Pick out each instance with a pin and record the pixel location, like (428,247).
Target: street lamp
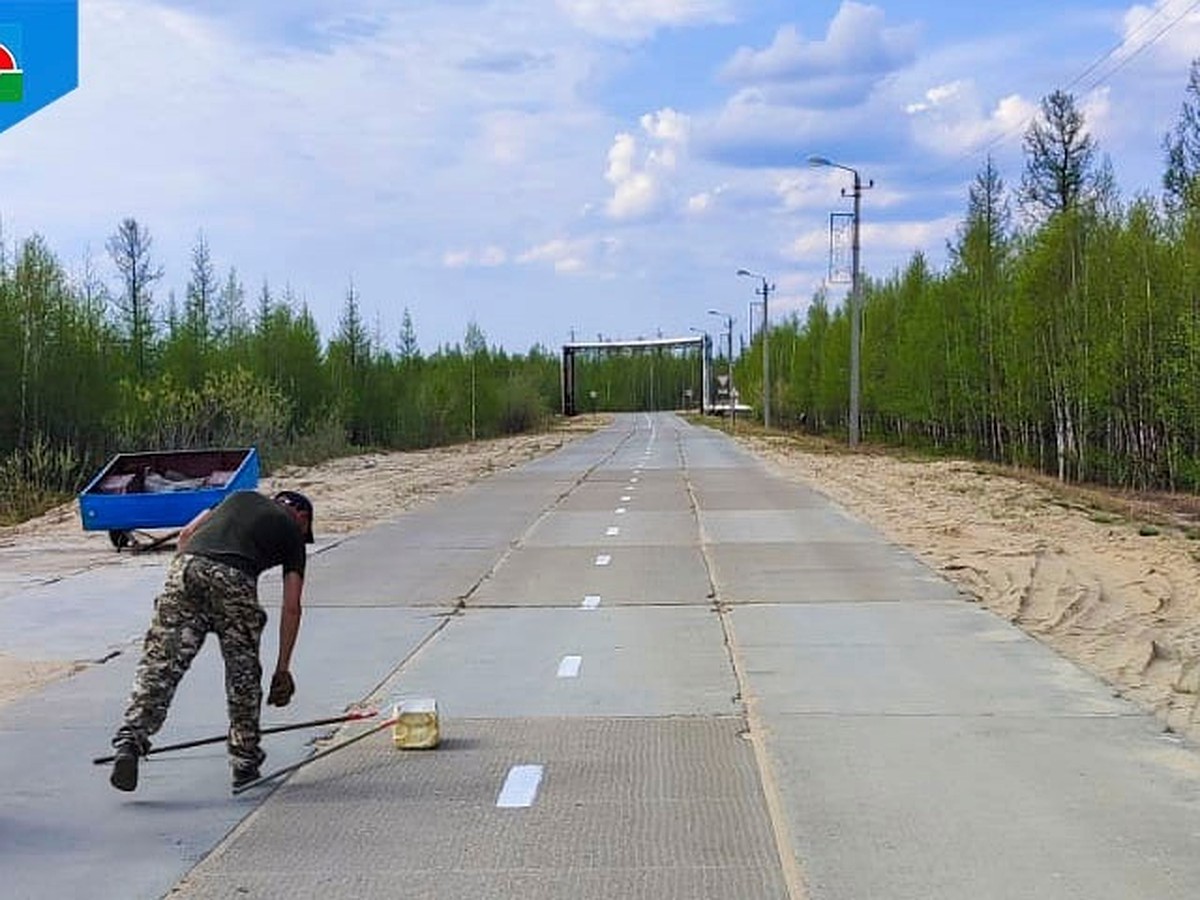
(855,289)
(765,293)
(729,320)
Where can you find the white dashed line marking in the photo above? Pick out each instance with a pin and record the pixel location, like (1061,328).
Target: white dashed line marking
(612,531)
(569,667)
(620,511)
(626,498)
(520,787)
(591,601)
(633,481)
(603,559)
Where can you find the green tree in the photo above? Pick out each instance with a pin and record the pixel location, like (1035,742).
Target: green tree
(201,295)
(349,358)
(979,262)
(1059,158)
(1181,180)
(408,347)
(230,321)
(129,248)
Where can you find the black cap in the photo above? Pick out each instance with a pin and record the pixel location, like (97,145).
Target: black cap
(297,500)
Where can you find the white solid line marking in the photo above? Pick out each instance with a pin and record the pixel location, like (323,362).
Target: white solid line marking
(620,510)
(612,531)
(569,667)
(520,787)
(603,559)
(591,601)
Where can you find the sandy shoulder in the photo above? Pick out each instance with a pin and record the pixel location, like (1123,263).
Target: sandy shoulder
(1118,597)
(22,676)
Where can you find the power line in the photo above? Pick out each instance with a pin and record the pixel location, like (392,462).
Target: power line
(1138,52)
(1008,134)
(1116,47)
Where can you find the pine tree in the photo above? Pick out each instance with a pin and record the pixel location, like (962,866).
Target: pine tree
(408,348)
(201,294)
(129,248)
(1060,156)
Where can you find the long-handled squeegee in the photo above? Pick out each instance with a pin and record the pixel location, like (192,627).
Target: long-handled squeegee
(274,729)
(271,776)
(414,725)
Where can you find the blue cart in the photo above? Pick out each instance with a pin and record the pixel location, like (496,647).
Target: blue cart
(138,491)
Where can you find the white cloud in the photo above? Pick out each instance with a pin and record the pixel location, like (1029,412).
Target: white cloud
(896,238)
(887,240)
(484,257)
(951,119)
(567,256)
(1096,108)
(939,97)
(636,19)
(641,180)
(858,49)
(667,126)
(804,189)
(808,245)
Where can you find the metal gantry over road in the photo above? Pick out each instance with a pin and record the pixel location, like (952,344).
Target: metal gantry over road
(662,670)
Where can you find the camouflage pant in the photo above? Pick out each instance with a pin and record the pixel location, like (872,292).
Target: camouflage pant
(199,596)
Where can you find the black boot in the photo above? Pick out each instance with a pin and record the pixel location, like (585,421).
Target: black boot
(125,766)
(244,773)
(246,768)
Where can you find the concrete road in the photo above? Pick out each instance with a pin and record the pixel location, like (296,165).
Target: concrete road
(661,671)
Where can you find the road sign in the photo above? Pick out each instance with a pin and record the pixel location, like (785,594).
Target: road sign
(840,231)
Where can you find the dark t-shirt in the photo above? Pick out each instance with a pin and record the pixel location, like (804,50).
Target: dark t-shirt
(251,532)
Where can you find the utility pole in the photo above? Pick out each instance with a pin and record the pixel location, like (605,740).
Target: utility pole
(855,291)
(765,293)
(855,315)
(732,392)
(729,320)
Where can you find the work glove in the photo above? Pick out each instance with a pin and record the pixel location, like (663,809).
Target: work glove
(282,688)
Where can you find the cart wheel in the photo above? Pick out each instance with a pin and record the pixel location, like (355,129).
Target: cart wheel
(120,539)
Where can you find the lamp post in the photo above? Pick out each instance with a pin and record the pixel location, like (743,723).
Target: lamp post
(765,293)
(729,320)
(855,289)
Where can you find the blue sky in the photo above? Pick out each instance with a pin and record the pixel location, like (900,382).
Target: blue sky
(556,167)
